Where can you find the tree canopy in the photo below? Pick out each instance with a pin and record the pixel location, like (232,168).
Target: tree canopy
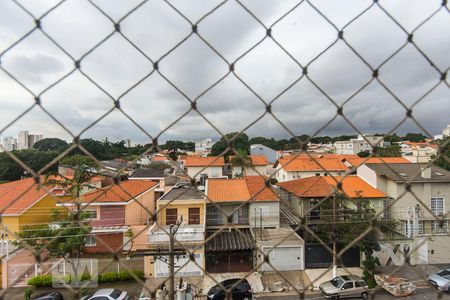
(51,144)
(239,141)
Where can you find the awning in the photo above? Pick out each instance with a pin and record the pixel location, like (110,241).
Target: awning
(109,229)
(230,240)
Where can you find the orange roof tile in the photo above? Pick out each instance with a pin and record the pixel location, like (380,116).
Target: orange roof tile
(305,163)
(323,186)
(211,161)
(259,160)
(15,199)
(117,193)
(241,189)
(376,160)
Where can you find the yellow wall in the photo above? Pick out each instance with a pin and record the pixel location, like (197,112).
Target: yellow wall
(39,213)
(183,210)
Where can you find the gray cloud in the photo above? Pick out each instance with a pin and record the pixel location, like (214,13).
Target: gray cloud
(193,67)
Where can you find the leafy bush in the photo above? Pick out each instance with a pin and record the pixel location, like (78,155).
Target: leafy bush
(108,277)
(27,294)
(41,281)
(139,274)
(125,275)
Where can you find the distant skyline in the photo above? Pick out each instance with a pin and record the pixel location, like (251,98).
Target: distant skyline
(193,67)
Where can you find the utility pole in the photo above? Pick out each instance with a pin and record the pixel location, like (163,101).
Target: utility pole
(334,238)
(171,265)
(260,223)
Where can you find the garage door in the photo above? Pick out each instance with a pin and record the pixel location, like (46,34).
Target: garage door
(190,269)
(284,258)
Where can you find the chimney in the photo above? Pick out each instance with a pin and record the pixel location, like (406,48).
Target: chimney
(425,171)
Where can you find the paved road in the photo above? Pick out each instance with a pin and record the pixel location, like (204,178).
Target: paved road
(423,293)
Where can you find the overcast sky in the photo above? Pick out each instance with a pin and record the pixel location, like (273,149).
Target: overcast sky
(193,67)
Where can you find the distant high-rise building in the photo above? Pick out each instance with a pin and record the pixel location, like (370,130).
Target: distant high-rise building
(9,143)
(22,141)
(446,131)
(33,139)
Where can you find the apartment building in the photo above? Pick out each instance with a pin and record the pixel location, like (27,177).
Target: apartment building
(360,144)
(420,197)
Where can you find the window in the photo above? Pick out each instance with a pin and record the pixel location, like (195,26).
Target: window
(90,241)
(91,214)
(171,216)
(317,174)
(439,227)
(408,228)
(347,285)
(420,229)
(360,284)
(194,215)
(437,206)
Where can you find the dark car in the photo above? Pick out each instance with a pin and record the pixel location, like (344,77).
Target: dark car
(49,296)
(240,291)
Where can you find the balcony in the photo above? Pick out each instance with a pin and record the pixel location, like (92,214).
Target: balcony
(184,234)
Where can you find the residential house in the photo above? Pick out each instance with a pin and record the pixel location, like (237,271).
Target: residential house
(113,209)
(154,174)
(252,166)
(418,152)
(420,201)
(202,168)
(303,195)
(362,143)
(184,207)
(356,161)
(246,207)
(203,147)
(301,166)
(23,203)
(269,153)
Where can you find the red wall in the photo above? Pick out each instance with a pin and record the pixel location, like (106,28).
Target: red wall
(111,215)
(114,240)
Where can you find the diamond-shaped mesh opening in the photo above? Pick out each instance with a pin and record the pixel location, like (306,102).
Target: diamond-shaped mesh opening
(134,197)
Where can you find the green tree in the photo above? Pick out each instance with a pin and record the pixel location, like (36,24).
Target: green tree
(51,144)
(343,225)
(414,137)
(36,160)
(393,138)
(241,160)
(441,161)
(240,142)
(389,151)
(79,160)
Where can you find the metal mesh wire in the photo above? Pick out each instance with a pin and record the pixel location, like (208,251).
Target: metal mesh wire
(232,70)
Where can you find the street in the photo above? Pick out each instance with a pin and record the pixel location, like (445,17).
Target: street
(422,293)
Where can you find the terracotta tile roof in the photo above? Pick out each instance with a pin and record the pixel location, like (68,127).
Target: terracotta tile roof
(305,163)
(376,160)
(241,189)
(323,186)
(116,193)
(259,160)
(13,190)
(256,160)
(197,161)
(421,145)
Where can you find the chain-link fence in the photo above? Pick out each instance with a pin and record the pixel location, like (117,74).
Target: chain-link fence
(193,229)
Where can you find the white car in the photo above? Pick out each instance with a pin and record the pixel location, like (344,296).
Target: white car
(107,294)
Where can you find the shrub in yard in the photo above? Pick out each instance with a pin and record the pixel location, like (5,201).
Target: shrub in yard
(41,281)
(28,293)
(108,277)
(126,275)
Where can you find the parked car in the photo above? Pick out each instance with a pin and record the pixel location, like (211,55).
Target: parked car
(441,280)
(49,296)
(107,294)
(242,290)
(344,286)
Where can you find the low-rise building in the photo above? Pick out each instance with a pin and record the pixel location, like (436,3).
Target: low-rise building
(202,168)
(418,152)
(420,201)
(251,166)
(113,210)
(259,149)
(303,195)
(184,207)
(302,166)
(360,144)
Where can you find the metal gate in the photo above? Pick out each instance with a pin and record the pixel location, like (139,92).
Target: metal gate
(318,256)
